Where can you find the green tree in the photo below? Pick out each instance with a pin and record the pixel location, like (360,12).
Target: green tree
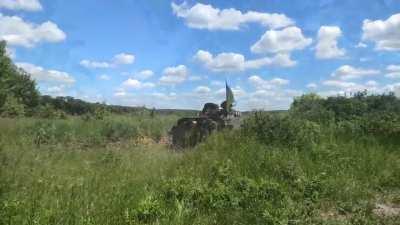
(311,107)
(15,82)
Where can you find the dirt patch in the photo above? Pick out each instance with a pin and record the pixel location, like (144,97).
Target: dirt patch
(333,215)
(145,141)
(386,210)
(165,140)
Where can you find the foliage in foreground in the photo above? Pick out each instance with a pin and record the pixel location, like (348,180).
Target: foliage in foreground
(261,174)
(313,165)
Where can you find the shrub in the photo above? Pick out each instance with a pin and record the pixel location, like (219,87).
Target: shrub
(49,112)
(225,197)
(52,132)
(12,107)
(118,130)
(277,130)
(381,123)
(100,113)
(339,108)
(311,107)
(43,132)
(87,117)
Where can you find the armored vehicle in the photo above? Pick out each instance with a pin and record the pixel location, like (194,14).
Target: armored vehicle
(190,131)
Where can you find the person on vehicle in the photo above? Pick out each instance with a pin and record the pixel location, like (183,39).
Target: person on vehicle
(225,109)
(210,110)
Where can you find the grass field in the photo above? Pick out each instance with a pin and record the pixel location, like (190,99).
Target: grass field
(119,171)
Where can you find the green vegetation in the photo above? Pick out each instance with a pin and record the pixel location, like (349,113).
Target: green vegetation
(277,169)
(326,161)
(17,90)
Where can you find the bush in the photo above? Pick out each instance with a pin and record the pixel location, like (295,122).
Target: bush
(49,112)
(100,113)
(339,108)
(118,130)
(378,125)
(12,107)
(225,198)
(381,123)
(43,132)
(277,130)
(311,107)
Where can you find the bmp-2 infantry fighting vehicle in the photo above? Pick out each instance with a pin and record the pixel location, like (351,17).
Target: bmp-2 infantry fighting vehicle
(190,131)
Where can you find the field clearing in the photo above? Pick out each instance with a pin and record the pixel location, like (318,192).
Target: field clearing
(79,172)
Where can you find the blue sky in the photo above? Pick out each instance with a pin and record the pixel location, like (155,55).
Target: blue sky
(178,54)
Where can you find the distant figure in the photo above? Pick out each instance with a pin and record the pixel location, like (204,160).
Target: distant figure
(225,109)
(153,112)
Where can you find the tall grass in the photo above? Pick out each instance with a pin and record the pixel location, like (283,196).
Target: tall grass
(47,177)
(77,131)
(99,172)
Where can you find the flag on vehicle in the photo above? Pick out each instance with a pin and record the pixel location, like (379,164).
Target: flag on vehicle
(230,99)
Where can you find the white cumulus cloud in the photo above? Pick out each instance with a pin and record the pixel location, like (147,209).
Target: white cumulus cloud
(339,84)
(136,84)
(384,33)
(279,60)
(18,32)
(94,64)
(371,83)
(144,74)
(312,85)
(342,87)
(119,59)
(120,93)
(132,83)
(201,16)
(58,90)
(347,72)
(27,5)
(395,88)
(393,68)
(42,75)
(393,71)
(202,90)
(174,75)
(260,83)
(124,59)
(327,46)
(228,61)
(281,41)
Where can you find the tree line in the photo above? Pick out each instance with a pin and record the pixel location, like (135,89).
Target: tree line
(19,96)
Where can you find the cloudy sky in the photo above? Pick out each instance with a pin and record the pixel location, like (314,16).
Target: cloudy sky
(178,54)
